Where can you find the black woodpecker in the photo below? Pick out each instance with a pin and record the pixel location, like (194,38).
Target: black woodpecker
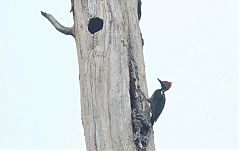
(157,100)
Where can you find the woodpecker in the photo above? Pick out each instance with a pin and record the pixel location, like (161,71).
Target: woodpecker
(157,100)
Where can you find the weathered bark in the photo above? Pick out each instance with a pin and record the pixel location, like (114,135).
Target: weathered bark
(112,75)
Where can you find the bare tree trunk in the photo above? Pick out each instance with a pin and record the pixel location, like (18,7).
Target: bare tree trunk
(113,86)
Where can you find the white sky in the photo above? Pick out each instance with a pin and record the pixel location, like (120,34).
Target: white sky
(192,43)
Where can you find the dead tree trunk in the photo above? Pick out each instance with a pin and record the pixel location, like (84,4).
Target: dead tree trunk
(115,114)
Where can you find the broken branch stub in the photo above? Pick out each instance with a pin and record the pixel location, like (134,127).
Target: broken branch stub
(57,25)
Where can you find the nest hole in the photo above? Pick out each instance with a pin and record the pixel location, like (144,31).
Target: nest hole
(95,24)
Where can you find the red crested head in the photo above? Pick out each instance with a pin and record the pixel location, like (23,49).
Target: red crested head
(169,84)
(166,85)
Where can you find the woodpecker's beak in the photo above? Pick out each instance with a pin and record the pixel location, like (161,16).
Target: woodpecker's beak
(159,80)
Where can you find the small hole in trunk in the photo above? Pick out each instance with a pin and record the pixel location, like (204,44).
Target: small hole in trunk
(95,24)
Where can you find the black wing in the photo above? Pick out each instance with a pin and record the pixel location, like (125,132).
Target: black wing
(157,105)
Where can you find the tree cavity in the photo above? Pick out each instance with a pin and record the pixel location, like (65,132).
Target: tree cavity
(95,24)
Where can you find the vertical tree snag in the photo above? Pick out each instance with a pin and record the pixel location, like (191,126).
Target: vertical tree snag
(113,88)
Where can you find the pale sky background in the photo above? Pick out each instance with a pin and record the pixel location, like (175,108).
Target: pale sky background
(192,43)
